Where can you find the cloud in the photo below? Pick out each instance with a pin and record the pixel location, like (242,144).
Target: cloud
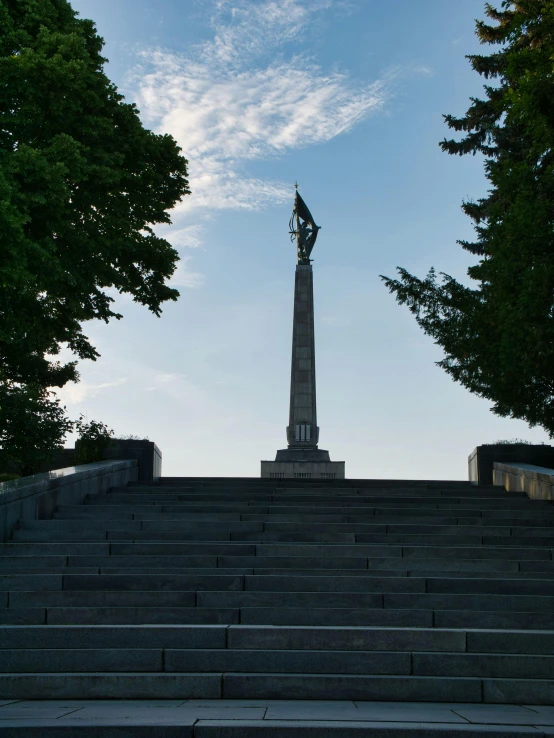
(182,277)
(189,237)
(243,96)
(75,393)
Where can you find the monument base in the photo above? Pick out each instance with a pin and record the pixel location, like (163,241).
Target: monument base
(302,463)
(299,453)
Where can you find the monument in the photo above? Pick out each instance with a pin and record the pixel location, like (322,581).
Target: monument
(302,459)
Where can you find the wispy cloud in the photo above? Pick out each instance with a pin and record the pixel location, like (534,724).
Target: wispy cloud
(244,95)
(189,237)
(76,393)
(183,277)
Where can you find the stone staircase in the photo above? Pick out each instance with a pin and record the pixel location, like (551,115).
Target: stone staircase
(252,589)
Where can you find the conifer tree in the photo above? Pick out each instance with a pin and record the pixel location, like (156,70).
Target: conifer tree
(498,336)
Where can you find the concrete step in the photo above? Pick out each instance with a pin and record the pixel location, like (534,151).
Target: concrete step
(150,582)
(23,616)
(282,661)
(125,637)
(420,618)
(105,685)
(185,726)
(102,598)
(480,602)
(142,616)
(176,685)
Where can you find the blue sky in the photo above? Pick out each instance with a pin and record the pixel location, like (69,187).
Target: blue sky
(347,98)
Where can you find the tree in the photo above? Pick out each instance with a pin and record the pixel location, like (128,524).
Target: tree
(33,428)
(498,337)
(94,439)
(82,184)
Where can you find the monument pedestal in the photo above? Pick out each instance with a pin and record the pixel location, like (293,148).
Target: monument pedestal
(291,468)
(302,463)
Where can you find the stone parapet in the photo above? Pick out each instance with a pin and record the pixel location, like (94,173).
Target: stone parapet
(482,458)
(536,481)
(37,497)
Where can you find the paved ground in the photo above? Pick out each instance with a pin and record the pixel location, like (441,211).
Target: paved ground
(535,720)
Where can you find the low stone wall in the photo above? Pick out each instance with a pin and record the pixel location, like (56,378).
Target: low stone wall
(536,481)
(36,497)
(482,458)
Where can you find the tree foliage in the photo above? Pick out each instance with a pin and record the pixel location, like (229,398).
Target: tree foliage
(33,428)
(94,438)
(82,184)
(498,337)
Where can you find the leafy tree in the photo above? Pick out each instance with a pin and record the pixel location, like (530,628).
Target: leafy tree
(94,439)
(498,337)
(82,184)
(33,428)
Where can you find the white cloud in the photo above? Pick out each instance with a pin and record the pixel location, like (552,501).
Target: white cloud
(189,237)
(238,97)
(165,378)
(76,393)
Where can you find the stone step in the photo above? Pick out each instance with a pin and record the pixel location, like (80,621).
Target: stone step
(60,659)
(470,568)
(477,573)
(53,549)
(420,618)
(282,661)
(103,598)
(105,685)
(173,503)
(275,686)
(382,524)
(480,602)
(315,492)
(25,582)
(386,639)
(443,585)
(296,571)
(23,616)
(151,582)
(114,512)
(337,728)
(46,535)
(125,637)
(141,616)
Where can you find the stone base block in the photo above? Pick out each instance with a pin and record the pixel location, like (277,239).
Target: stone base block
(303,470)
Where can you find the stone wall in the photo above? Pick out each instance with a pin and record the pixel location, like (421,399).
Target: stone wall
(36,497)
(482,458)
(536,481)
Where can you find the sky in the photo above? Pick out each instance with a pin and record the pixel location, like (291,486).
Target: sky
(346,97)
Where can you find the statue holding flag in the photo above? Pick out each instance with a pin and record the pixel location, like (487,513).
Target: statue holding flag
(303,229)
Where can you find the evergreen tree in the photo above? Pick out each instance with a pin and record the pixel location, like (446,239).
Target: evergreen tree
(498,337)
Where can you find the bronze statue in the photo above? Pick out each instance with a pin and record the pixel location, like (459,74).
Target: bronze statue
(302,228)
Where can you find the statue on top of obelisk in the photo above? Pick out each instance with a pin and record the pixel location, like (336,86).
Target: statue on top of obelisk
(303,229)
(303,459)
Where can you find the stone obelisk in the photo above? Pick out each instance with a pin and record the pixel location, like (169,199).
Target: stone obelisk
(303,459)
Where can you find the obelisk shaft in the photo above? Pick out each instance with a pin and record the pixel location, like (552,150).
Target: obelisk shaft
(302,431)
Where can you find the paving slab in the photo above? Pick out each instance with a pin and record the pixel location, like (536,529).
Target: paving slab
(505,714)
